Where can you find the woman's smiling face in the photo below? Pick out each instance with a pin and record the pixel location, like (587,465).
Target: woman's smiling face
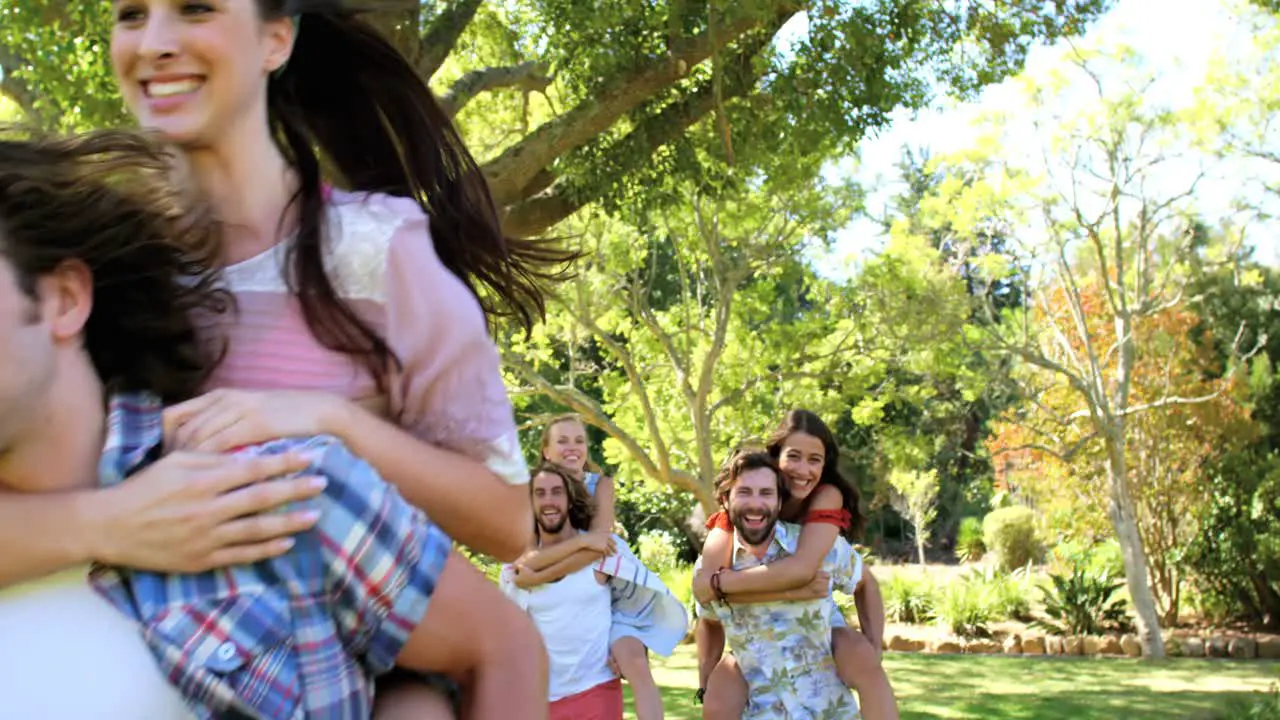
(567,445)
(193,69)
(802,459)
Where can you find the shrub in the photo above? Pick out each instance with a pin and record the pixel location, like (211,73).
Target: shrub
(963,608)
(1007,595)
(679,580)
(908,599)
(1010,534)
(1233,558)
(969,545)
(1083,603)
(847,606)
(1105,557)
(657,549)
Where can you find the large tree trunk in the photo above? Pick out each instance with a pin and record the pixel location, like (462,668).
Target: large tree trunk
(1124,520)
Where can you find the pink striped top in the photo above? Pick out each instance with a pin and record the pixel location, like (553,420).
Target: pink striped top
(382,261)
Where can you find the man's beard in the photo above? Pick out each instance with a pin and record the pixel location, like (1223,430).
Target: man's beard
(552,529)
(749,535)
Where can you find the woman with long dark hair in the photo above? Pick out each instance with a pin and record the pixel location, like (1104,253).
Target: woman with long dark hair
(365,254)
(828,506)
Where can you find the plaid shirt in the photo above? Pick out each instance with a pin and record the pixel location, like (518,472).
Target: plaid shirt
(299,636)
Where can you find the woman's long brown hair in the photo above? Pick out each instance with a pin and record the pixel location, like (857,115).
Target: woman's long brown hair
(347,98)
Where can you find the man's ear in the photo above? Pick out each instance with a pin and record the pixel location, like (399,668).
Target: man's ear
(66,299)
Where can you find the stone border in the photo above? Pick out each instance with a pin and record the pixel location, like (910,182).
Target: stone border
(1207,646)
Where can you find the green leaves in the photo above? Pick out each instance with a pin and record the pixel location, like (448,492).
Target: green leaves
(58,52)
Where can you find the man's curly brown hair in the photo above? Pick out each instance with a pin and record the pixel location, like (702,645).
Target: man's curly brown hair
(106,199)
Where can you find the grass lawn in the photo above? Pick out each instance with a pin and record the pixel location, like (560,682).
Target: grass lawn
(991,688)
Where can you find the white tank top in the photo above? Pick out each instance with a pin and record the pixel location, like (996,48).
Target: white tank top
(67,654)
(574,616)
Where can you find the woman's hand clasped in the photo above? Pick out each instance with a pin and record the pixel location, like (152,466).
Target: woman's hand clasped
(221,420)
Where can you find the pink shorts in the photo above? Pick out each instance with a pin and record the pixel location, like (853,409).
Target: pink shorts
(602,702)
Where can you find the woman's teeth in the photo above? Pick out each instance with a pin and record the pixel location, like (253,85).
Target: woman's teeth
(175,87)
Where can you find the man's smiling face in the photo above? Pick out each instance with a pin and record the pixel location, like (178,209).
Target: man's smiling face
(754,505)
(550,502)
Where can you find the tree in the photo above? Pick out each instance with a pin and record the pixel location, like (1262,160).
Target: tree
(695,327)
(1168,450)
(952,419)
(1112,205)
(915,497)
(572,102)
(1234,558)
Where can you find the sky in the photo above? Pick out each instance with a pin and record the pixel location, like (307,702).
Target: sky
(1177,38)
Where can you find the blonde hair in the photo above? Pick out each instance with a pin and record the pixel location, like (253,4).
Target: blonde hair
(590,466)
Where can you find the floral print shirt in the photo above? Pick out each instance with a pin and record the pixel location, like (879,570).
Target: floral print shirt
(784,648)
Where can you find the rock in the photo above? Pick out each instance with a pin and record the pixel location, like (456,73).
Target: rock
(1013,645)
(1173,646)
(1110,645)
(1130,646)
(1243,648)
(1217,647)
(1269,648)
(982,647)
(1073,646)
(949,647)
(1053,645)
(898,643)
(1092,645)
(1033,646)
(1193,647)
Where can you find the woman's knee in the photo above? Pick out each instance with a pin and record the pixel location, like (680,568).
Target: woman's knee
(631,656)
(726,692)
(857,661)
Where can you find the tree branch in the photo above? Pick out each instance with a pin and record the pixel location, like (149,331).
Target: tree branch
(515,167)
(535,214)
(442,35)
(1065,455)
(594,415)
(635,376)
(527,77)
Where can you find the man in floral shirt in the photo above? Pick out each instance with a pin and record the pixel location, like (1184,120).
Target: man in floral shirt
(783,648)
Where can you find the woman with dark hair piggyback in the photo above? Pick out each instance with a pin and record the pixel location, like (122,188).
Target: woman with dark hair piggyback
(365,255)
(828,506)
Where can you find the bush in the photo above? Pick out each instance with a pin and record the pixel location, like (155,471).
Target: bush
(963,608)
(1007,595)
(1233,559)
(969,545)
(1084,603)
(1105,557)
(658,550)
(1010,534)
(679,580)
(908,599)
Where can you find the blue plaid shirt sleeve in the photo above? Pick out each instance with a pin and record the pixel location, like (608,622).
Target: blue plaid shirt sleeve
(383,556)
